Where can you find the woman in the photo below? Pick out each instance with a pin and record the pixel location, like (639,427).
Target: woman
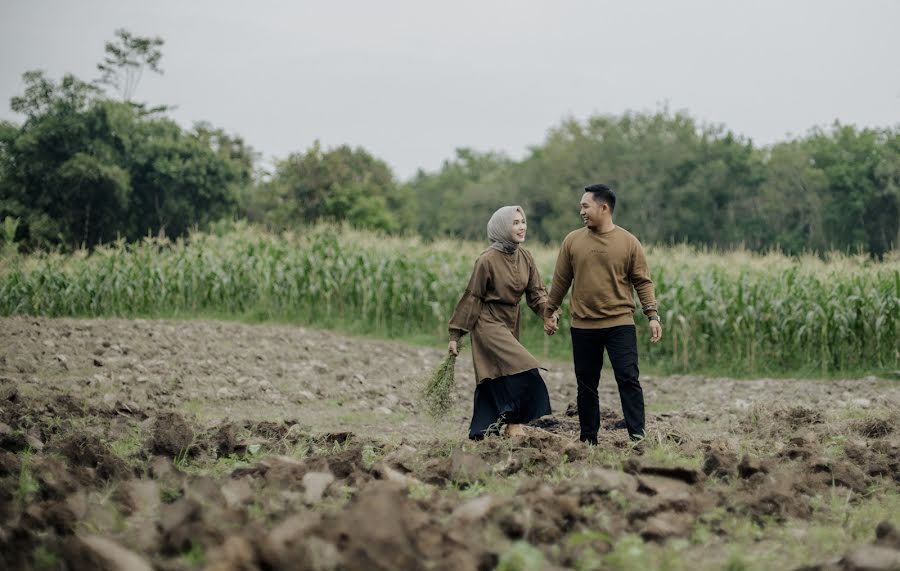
(509,390)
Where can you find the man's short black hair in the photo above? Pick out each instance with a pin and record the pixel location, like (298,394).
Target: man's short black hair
(603,193)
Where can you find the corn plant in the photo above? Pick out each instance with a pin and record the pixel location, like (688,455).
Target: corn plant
(735,311)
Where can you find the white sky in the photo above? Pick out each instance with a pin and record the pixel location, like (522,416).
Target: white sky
(412,80)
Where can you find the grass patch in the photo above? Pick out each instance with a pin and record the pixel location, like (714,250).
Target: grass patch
(669,455)
(369,456)
(656,407)
(521,556)
(28,485)
(128,447)
(217,467)
(835,526)
(169,494)
(195,557)
(44,558)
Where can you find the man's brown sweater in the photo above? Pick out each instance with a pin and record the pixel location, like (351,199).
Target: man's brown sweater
(604,268)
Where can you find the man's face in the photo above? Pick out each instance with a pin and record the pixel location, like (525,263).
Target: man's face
(592,212)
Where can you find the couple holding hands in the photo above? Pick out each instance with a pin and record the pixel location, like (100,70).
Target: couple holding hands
(602,263)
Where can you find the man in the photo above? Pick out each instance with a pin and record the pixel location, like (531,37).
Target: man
(604,262)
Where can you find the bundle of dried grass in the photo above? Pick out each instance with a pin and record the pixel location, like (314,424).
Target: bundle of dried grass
(437,392)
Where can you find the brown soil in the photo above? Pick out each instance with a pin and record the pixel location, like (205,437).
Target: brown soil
(178,445)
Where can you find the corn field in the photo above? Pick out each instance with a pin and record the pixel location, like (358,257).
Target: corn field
(735,312)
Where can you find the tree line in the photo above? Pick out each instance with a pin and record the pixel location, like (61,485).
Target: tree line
(681,181)
(89,165)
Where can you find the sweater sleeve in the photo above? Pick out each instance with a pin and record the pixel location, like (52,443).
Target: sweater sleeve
(640,279)
(535,292)
(562,279)
(469,307)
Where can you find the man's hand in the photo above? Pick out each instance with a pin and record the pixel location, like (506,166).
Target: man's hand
(452,349)
(655,331)
(551,324)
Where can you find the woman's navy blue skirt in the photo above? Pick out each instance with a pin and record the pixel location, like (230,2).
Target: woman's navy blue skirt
(513,399)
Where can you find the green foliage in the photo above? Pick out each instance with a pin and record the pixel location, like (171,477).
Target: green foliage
(737,312)
(85,170)
(861,205)
(340,184)
(439,388)
(128,445)
(680,181)
(195,557)
(169,494)
(28,484)
(628,553)
(443,203)
(521,556)
(45,558)
(126,59)
(10,248)
(43,97)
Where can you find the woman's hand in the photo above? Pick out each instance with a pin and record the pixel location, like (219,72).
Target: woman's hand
(452,349)
(551,324)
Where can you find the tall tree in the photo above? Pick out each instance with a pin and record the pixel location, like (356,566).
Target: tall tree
(441,203)
(862,204)
(340,184)
(126,59)
(83,169)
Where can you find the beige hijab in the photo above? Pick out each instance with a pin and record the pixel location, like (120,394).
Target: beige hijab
(499,229)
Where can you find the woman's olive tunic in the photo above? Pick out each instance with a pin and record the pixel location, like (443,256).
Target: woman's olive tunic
(489,310)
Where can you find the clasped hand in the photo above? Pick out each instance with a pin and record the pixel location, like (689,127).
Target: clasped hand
(551,324)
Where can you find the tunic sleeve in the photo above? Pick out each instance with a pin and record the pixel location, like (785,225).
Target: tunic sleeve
(469,307)
(535,292)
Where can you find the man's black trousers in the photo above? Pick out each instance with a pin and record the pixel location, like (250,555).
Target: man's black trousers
(587,349)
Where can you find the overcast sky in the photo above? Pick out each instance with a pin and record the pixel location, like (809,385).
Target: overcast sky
(411,81)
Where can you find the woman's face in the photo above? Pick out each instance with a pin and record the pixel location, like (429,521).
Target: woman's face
(519,227)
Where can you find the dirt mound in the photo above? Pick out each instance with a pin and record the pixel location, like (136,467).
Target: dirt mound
(225,439)
(565,425)
(684,474)
(100,554)
(344,463)
(882,555)
(93,459)
(778,496)
(55,481)
(188,522)
(719,463)
(874,427)
(541,514)
(383,529)
(171,435)
(799,416)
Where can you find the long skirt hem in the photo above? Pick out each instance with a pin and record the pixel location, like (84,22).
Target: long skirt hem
(511,399)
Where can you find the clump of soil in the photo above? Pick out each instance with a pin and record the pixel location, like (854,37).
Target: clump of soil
(720,463)
(882,554)
(92,458)
(170,435)
(801,416)
(874,427)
